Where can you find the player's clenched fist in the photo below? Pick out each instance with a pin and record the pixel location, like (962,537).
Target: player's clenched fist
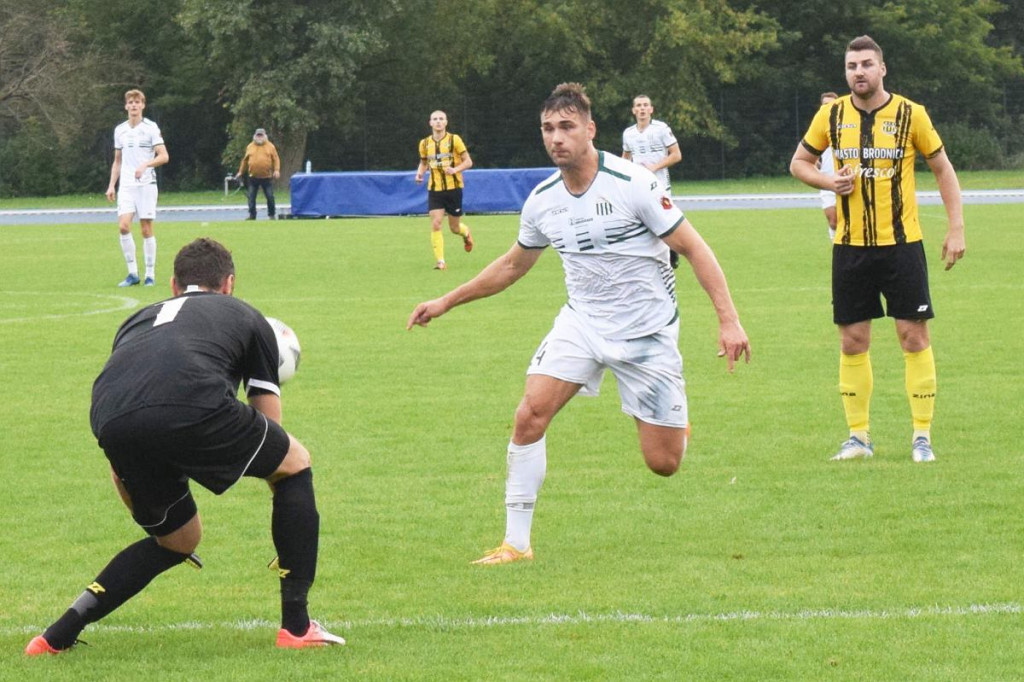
(843,181)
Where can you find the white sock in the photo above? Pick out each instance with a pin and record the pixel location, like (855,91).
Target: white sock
(149,253)
(527,465)
(927,435)
(128,249)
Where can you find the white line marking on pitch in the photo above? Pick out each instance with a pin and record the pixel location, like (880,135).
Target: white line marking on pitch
(124,303)
(579,618)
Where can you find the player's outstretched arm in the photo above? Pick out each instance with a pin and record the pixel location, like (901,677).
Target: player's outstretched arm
(732,339)
(502,273)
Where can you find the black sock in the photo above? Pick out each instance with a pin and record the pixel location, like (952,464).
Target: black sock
(295,527)
(124,577)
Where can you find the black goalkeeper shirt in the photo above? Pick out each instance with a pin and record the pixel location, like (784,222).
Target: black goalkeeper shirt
(193,350)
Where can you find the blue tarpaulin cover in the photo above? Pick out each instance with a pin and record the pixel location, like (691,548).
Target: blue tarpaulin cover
(396,192)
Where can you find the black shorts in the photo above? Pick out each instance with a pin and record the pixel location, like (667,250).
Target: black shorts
(861,275)
(449,199)
(156,450)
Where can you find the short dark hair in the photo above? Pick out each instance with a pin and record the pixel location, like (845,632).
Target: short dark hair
(821,98)
(570,97)
(864,42)
(203,262)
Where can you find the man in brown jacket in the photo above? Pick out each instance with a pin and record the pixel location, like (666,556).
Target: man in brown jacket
(263,166)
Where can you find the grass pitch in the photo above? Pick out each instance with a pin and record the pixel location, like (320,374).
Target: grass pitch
(759,560)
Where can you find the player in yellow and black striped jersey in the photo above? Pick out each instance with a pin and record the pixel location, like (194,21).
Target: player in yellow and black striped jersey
(875,137)
(881,147)
(445,156)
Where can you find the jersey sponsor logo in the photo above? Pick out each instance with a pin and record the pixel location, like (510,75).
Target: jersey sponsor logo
(580,221)
(876,172)
(882,153)
(869,153)
(603,208)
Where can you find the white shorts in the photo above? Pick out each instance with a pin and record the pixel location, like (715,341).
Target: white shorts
(828,198)
(137,199)
(648,370)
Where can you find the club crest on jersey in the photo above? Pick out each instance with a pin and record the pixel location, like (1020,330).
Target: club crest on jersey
(666,203)
(603,208)
(889,127)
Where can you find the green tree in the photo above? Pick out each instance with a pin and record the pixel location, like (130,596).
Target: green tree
(945,54)
(151,51)
(288,66)
(492,63)
(47,98)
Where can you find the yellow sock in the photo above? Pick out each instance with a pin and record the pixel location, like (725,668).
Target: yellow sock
(855,384)
(437,243)
(920,376)
(463,229)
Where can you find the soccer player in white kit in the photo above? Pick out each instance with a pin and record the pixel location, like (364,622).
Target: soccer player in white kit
(652,144)
(827,165)
(138,149)
(612,225)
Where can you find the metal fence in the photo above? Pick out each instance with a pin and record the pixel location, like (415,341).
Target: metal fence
(762,138)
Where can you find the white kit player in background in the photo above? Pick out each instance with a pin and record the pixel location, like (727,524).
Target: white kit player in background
(651,144)
(612,225)
(138,149)
(827,165)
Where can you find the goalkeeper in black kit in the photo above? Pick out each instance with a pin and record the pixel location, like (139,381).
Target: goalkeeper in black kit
(165,410)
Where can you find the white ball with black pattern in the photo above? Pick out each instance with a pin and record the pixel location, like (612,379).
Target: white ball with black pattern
(288,348)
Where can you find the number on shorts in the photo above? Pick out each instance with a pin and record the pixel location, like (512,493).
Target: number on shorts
(540,352)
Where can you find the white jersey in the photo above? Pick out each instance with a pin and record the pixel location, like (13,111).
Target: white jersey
(617,271)
(650,146)
(136,145)
(827,166)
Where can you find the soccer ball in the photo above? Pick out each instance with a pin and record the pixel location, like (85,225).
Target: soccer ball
(287,348)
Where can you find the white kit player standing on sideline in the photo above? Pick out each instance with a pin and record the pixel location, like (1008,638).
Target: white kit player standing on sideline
(613,226)
(138,149)
(651,144)
(826,164)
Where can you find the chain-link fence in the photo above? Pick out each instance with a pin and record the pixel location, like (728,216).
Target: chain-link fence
(762,135)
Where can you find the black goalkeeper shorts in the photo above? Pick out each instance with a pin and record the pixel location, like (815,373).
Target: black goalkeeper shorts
(156,450)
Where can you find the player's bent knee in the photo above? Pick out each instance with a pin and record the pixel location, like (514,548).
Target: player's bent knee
(530,423)
(665,466)
(297,459)
(184,540)
(666,461)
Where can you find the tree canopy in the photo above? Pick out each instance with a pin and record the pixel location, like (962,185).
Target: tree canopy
(350,85)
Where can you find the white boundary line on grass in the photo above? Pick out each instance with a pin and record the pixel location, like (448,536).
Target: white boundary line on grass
(125,303)
(579,618)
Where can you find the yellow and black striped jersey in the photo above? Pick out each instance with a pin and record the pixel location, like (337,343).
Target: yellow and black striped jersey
(440,154)
(881,146)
